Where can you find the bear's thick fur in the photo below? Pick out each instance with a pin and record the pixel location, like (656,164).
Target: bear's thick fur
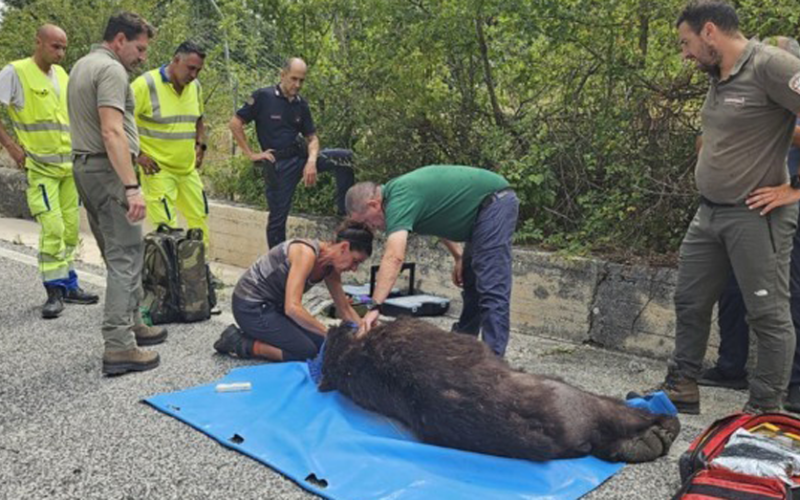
(452,391)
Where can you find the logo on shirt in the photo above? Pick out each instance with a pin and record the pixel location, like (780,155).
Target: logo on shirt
(735,101)
(275,117)
(794,83)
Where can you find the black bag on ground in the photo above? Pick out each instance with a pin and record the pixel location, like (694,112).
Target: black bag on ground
(175,277)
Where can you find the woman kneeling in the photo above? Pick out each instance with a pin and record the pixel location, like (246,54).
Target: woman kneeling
(268,299)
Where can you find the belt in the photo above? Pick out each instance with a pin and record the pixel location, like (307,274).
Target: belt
(285,153)
(497,195)
(705,201)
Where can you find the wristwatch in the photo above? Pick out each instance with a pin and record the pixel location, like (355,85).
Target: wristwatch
(795,182)
(374,305)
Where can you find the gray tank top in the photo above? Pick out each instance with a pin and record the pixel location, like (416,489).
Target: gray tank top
(265,281)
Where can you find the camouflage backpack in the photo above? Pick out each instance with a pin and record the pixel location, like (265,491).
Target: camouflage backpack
(175,277)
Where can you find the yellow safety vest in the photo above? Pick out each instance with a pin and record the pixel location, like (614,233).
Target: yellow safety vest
(42,125)
(167,121)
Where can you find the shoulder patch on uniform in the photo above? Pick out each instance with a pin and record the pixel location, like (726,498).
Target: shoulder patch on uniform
(794,83)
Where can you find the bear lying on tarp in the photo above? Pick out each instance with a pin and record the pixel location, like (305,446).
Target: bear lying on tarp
(453,391)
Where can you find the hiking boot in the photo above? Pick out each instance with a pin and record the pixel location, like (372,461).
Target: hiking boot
(682,391)
(757,409)
(55,302)
(792,402)
(713,377)
(132,360)
(149,335)
(233,343)
(79,296)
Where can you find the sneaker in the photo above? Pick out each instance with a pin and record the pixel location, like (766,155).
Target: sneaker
(757,409)
(132,360)
(79,296)
(682,391)
(149,335)
(713,377)
(792,402)
(54,305)
(233,343)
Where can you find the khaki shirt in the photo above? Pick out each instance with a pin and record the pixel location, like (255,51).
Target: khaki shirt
(748,120)
(99,79)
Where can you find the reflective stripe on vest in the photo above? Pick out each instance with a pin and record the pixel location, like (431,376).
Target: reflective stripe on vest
(42,125)
(168,133)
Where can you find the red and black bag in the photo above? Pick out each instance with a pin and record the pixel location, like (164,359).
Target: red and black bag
(700,482)
(713,484)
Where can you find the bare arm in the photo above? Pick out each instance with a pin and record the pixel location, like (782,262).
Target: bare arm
(119,154)
(200,138)
(237,129)
(458,266)
(14,149)
(301,262)
(796,137)
(310,170)
(391,264)
(343,308)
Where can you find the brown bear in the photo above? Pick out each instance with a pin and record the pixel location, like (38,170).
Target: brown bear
(452,391)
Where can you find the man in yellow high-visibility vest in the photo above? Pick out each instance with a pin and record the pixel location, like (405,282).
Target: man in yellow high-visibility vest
(35,91)
(169,115)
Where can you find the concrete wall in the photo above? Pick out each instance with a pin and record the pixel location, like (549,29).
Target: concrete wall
(626,308)
(621,307)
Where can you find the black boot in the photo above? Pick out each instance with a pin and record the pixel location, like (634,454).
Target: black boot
(55,302)
(80,296)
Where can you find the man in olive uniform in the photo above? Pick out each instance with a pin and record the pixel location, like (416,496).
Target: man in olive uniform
(105,143)
(748,208)
(35,91)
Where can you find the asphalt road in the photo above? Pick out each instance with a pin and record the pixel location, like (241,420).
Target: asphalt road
(68,432)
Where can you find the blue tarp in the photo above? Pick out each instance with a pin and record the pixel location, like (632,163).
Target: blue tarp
(335,449)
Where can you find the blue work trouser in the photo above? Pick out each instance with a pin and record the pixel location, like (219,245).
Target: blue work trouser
(281,179)
(487,273)
(734,344)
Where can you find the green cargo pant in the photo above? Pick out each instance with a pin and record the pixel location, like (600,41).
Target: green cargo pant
(758,249)
(120,243)
(53,202)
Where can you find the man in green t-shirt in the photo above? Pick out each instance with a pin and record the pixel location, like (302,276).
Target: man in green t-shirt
(459,205)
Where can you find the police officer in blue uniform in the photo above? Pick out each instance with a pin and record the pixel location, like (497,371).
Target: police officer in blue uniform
(281,116)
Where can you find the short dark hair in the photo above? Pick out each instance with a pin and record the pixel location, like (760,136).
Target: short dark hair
(699,12)
(189,47)
(129,23)
(358,234)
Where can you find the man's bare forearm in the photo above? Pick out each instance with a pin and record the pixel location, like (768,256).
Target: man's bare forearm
(119,154)
(313,148)
(237,129)
(5,138)
(387,276)
(453,247)
(200,136)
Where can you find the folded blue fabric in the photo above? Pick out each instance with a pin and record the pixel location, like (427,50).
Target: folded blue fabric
(335,449)
(657,403)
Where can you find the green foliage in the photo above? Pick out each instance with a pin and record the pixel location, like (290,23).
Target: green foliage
(584,105)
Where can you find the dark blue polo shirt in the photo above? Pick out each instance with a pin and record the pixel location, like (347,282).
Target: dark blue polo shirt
(278,121)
